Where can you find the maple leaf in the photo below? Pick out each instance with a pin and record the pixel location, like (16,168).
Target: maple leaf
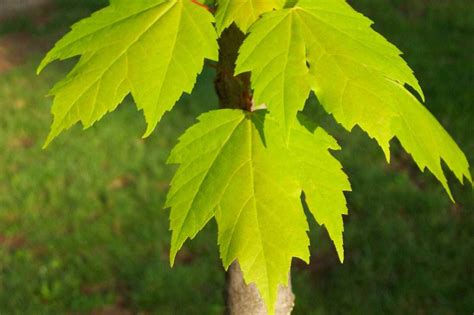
(275,55)
(357,75)
(321,178)
(245,176)
(243,12)
(153,49)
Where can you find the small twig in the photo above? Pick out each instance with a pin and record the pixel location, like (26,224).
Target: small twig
(201,5)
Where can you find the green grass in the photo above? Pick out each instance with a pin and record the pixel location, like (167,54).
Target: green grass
(82,226)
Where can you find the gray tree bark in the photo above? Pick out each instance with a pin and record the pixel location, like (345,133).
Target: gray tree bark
(243,299)
(235,92)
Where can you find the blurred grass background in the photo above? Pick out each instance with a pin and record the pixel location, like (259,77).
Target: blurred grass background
(82,229)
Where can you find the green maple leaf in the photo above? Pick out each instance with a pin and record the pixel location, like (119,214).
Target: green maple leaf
(357,75)
(245,176)
(275,55)
(243,12)
(153,49)
(321,178)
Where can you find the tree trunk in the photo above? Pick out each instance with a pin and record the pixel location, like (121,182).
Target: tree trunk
(243,299)
(235,92)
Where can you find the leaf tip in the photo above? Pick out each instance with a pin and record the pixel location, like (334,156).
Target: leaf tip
(148,131)
(448,191)
(172,260)
(386,152)
(51,136)
(468,176)
(41,67)
(44,63)
(173,253)
(340,253)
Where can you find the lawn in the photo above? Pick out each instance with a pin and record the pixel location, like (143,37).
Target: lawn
(82,224)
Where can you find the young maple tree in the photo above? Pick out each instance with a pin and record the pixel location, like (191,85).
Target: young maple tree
(247,165)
